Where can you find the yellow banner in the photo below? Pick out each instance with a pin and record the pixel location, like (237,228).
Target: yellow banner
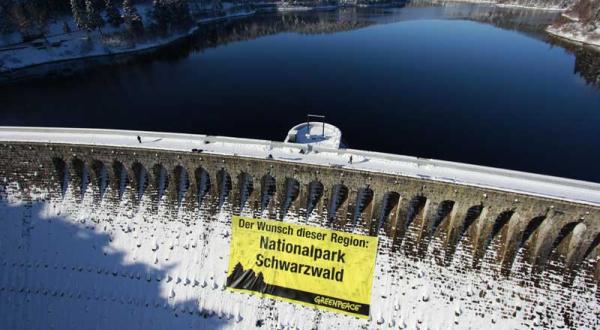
(328,269)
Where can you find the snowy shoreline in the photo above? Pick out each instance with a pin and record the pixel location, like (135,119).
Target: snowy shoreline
(143,47)
(16,72)
(27,61)
(509,5)
(37,62)
(579,39)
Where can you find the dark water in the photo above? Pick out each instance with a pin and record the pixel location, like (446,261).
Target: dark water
(465,83)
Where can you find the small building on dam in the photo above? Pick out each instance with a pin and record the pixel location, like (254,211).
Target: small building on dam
(100,229)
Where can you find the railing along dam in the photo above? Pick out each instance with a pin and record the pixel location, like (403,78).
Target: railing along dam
(491,255)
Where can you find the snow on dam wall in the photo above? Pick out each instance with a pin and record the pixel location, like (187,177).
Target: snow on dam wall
(112,236)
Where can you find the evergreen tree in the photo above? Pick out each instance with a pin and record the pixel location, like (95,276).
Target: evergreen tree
(79,14)
(113,17)
(94,19)
(30,17)
(39,13)
(129,11)
(21,19)
(217,6)
(160,15)
(595,21)
(132,18)
(66,27)
(180,12)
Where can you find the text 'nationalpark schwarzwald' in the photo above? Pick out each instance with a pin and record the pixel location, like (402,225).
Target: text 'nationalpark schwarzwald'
(313,253)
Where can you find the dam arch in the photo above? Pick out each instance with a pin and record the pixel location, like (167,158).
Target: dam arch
(497,224)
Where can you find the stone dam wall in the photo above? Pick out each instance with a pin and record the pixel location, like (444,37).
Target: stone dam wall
(136,234)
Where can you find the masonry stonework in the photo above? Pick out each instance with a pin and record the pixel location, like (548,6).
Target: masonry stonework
(513,238)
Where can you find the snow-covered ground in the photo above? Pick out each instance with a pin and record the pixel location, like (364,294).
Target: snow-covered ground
(286,7)
(75,46)
(533,184)
(466,1)
(570,17)
(236,14)
(69,264)
(316,134)
(538,6)
(576,32)
(548,8)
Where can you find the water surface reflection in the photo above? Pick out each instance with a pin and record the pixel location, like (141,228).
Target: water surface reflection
(470,83)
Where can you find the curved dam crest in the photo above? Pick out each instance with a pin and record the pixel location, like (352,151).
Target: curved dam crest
(134,235)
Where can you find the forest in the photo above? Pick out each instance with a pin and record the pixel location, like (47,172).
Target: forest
(31,18)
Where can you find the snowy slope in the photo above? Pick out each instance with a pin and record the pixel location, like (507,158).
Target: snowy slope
(70,264)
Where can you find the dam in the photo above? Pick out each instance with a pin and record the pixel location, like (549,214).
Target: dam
(101,229)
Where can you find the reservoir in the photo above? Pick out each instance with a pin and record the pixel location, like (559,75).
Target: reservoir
(463,82)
